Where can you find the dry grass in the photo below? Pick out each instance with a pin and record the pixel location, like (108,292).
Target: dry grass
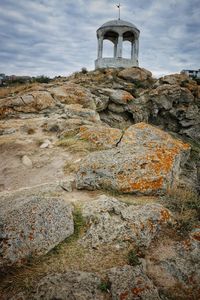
(74,144)
(70,167)
(16,89)
(185,204)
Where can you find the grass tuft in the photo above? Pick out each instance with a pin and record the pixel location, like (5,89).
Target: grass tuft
(105,286)
(133,259)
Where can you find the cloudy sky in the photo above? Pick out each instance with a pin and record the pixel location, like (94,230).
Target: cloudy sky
(58,37)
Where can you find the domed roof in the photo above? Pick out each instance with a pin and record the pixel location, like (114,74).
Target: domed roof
(118,23)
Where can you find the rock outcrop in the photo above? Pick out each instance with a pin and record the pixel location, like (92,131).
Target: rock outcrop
(146,161)
(35,101)
(32,226)
(135,74)
(110,129)
(114,222)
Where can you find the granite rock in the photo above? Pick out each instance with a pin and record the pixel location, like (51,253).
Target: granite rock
(32,226)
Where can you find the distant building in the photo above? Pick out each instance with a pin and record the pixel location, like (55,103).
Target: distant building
(192,73)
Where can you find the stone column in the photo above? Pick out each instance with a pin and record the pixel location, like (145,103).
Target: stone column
(132,50)
(136,49)
(100,47)
(119,46)
(115,49)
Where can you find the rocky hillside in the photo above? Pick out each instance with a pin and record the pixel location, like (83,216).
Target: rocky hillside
(99,187)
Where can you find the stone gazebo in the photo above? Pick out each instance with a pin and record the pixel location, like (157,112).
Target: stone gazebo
(118,31)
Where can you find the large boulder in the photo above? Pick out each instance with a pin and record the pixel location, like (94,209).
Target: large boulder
(32,226)
(118,96)
(146,161)
(180,79)
(135,74)
(112,221)
(71,93)
(173,107)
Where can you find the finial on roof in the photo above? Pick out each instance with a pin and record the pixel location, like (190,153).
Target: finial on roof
(119,6)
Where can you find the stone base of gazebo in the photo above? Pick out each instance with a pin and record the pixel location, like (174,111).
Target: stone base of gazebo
(109,62)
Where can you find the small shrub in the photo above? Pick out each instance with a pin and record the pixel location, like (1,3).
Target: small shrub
(42,79)
(84,70)
(133,259)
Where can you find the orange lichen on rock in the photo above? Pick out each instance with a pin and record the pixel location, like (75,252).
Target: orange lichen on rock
(127,97)
(146,160)
(137,291)
(165,215)
(124,295)
(143,185)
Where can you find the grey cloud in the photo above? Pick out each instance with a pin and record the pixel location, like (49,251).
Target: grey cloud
(59,37)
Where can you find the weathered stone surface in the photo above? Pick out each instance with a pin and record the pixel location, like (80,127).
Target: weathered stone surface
(68,286)
(146,161)
(174,108)
(62,125)
(101,205)
(129,283)
(116,120)
(112,221)
(77,111)
(34,102)
(71,93)
(100,135)
(101,102)
(118,96)
(32,226)
(135,74)
(176,79)
(116,108)
(175,266)
(165,95)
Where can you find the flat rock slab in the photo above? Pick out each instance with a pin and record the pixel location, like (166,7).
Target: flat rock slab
(100,135)
(146,161)
(112,221)
(31,226)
